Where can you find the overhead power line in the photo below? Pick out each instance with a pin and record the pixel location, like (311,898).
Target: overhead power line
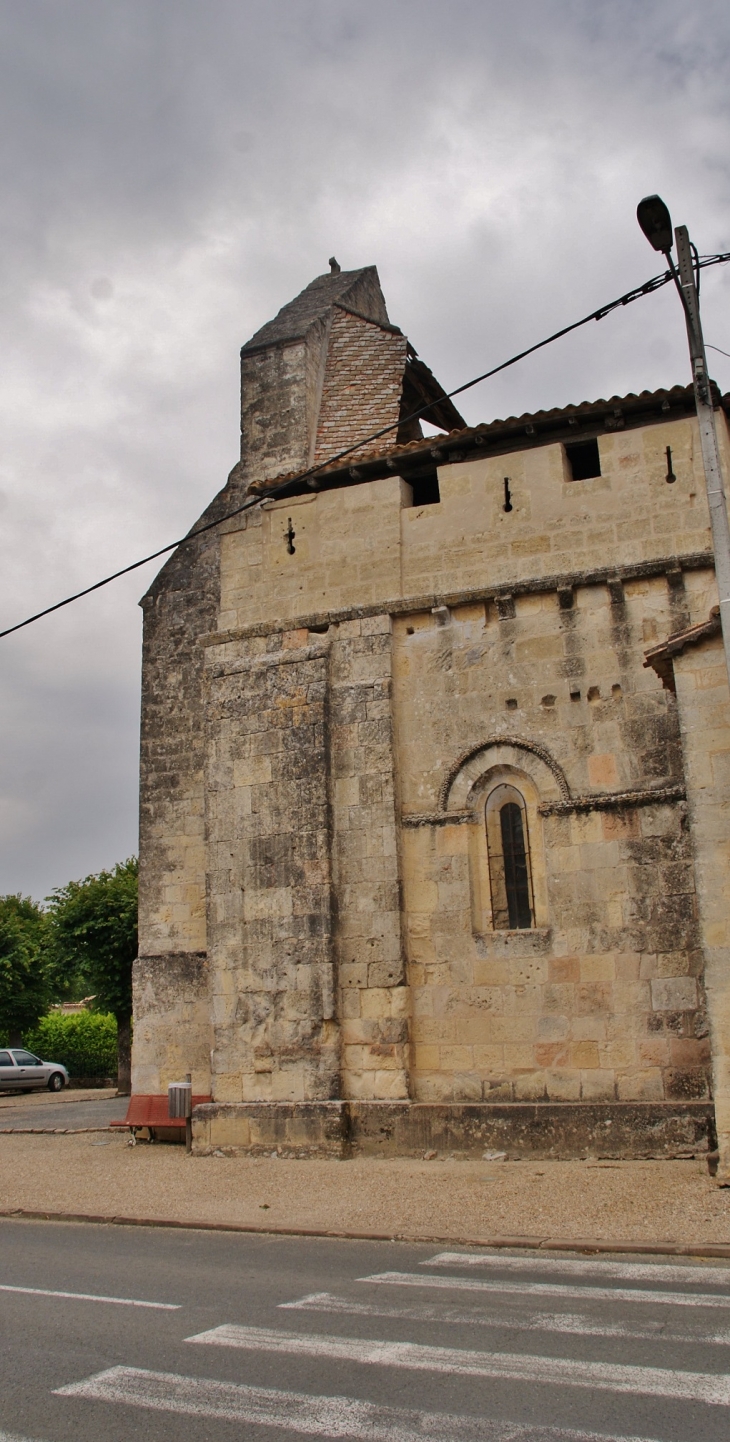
(647,288)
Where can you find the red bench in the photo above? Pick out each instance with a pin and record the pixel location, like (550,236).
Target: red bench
(151,1112)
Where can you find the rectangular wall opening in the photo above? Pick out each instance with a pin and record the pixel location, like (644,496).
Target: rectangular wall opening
(584,461)
(425,488)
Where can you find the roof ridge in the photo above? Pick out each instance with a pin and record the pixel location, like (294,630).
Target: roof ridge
(293,320)
(381,325)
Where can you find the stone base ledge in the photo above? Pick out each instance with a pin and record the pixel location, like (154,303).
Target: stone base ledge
(560,1130)
(290,1129)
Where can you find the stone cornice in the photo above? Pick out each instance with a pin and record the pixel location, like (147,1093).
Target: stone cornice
(529,586)
(590,801)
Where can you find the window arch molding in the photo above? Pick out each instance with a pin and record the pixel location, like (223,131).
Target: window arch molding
(462,784)
(511,783)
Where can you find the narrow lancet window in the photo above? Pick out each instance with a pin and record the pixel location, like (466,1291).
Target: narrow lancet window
(509,860)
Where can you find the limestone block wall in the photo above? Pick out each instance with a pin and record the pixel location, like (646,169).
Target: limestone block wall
(373,998)
(269,876)
(557,526)
(603,998)
(373,668)
(303,867)
(346,553)
(281,387)
(171,1002)
(173,1031)
(704,709)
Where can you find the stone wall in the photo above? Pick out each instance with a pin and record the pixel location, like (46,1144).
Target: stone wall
(602,998)
(373,669)
(300,811)
(700,676)
(270,895)
(171,1003)
(374,1001)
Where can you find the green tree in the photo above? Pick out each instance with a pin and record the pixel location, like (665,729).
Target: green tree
(26,970)
(95,927)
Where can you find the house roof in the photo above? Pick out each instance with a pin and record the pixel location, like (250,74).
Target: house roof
(660,657)
(312,304)
(562,423)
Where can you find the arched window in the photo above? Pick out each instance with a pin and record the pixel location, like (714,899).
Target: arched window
(510,878)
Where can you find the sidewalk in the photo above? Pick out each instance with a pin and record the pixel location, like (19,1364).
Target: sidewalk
(662,1205)
(46,1099)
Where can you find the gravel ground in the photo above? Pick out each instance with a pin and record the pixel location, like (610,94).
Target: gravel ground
(102,1175)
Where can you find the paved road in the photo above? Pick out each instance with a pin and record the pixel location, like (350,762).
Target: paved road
(203,1337)
(30,1112)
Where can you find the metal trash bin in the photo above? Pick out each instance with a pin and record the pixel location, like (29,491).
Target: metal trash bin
(180,1104)
(180,1099)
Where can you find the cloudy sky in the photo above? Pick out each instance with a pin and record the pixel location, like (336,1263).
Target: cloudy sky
(173,171)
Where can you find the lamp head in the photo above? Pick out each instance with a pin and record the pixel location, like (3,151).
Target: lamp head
(656,222)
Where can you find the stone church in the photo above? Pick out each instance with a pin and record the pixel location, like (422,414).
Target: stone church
(436,769)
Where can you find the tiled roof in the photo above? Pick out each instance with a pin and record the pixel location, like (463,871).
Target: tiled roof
(660,657)
(294,319)
(533,428)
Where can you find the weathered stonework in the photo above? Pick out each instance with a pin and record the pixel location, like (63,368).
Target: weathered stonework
(337,681)
(693,666)
(388,1128)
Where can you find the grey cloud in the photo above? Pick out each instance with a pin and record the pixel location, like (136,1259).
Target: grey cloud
(172,173)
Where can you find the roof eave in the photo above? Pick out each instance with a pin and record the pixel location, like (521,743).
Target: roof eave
(516,433)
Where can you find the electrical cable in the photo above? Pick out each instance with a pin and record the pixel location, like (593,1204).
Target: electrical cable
(696,258)
(717,348)
(649,286)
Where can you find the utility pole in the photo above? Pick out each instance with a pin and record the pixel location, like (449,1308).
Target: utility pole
(656,224)
(708,434)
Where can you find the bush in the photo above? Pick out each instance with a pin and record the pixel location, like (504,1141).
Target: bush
(85,1043)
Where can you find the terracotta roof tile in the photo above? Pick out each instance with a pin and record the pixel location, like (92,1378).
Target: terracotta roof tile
(660,657)
(612,413)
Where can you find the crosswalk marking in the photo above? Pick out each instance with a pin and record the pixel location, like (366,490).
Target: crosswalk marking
(651,1381)
(313,1416)
(569,1322)
(548,1289)
(91,1297)
(588,1267)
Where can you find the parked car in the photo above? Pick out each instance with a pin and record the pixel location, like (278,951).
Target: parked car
(22,1071)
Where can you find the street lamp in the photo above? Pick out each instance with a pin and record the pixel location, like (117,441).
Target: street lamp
(655,221)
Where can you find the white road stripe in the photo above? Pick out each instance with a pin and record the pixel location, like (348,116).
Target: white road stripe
(512,1366)
(312,1416)
(91,1297)
(12,1437)
(593,1267)
(697,1330)
(549,1289)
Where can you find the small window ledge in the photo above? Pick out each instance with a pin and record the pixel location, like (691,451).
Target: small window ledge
(527,941)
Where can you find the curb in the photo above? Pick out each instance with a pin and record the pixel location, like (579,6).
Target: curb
(66,1100)
(48,1131)
(537,1244)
